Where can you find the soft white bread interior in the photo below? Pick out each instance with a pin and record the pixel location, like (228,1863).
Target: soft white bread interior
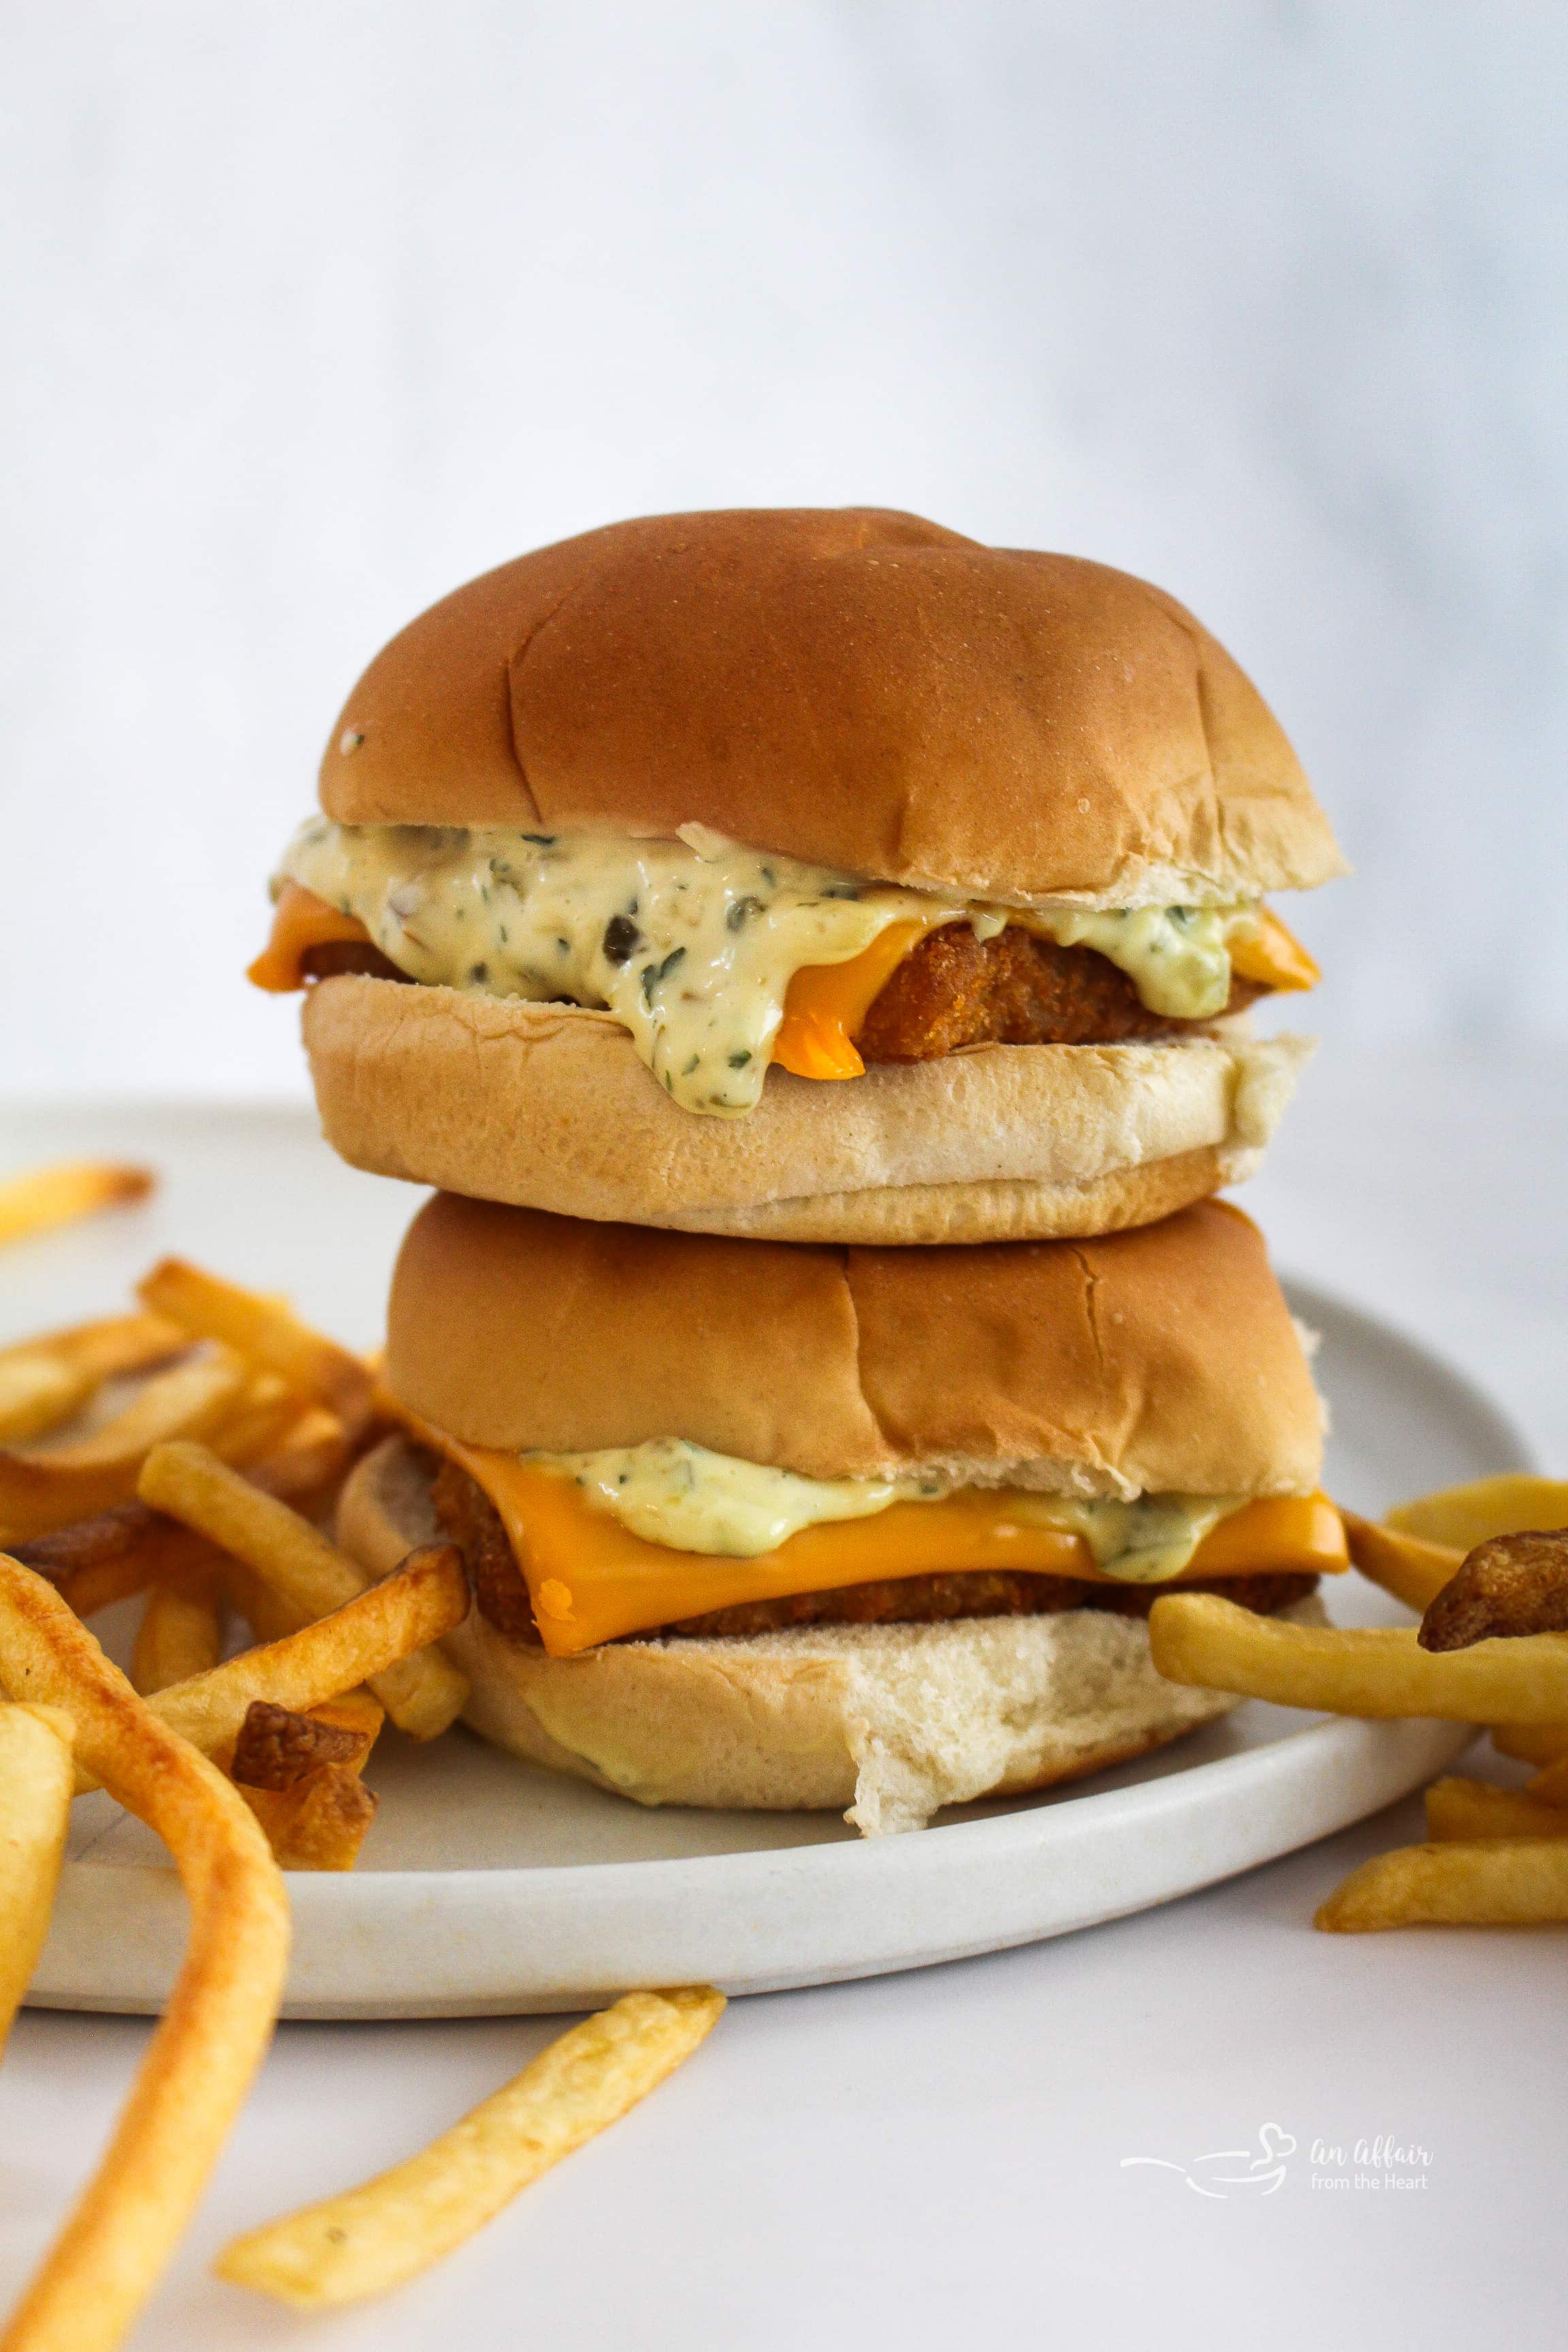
(886,1722)
(548,1106)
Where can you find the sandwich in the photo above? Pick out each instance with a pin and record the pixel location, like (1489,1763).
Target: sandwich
(872,1530)
(802,876)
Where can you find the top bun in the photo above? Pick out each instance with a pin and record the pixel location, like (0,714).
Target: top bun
(852,687)
(1159,1360)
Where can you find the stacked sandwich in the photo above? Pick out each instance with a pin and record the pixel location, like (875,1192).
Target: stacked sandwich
(811,954)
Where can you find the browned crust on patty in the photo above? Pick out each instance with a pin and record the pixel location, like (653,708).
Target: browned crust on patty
(1016,989)
(470,1520)
(950,991)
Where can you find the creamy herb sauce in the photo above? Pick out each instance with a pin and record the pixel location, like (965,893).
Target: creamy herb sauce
(674,1493)
(691,943)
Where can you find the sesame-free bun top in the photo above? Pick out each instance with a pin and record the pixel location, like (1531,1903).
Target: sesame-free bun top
(850,686)
(1162,1359)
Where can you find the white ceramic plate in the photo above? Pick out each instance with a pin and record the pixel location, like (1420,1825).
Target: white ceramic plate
(489,1887)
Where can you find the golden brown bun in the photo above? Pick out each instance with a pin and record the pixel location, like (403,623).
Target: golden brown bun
(887,1721)
(1160,1360)
(852,686)
(548,1106)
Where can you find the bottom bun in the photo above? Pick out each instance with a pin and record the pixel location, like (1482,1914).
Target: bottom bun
(549,1106)
(884,1723)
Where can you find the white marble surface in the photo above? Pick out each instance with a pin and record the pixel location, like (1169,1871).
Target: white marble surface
(938,2158)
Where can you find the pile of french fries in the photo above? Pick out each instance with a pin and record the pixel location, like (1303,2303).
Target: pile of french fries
(205,1490)
(1493,1856)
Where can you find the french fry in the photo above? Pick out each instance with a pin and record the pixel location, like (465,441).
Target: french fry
(45,1380)
(269,1617)
(1463,1516)
(309,1465)
(35,1813)
(181,1634)
(267,1331)
(45,1197)
(93,1562)
(1199,1639)
(396,2225)
(276,1748)
(1412,1569)
(119,1551)
(1550,1783)
(357,1711)
(1472,1810)
(1504,1883)
(422,1695)
(319,1823)
(314,1811)
(219,2020)
(39,1491)
(427,1597)
(264,1417)
(38,1391)
(1531,1743)
(107,1347)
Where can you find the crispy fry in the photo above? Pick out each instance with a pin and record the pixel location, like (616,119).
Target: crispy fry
(1550,1783)
(277,1746)
(1531,1743)
(109,1346)
(119,1551)
(93,1562)
(39,1491)
(396,2225)
(1463,1516)
(358,1711)
(269,1617)
(310,1467)
(35,1813)
(319,1823)
(266,1330)
(181,1634)
(264,1418)
(38,1391)
(422,1695)
(1508,1586)
(219,2020)
(1472,1810)
(45,1197)
(1197,1638)
(1410,1568)
(1506,1882)
(427,1597)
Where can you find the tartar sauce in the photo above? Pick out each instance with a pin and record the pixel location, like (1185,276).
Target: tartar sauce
(691,943)
(672,1492)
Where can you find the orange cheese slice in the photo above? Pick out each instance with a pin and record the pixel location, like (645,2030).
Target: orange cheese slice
(300,921)
(826,1004)
(592,1579)
(1274,956)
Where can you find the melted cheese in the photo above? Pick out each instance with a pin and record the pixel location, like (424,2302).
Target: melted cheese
(688,1498)
(592,1579)
(300,921)
(717,959)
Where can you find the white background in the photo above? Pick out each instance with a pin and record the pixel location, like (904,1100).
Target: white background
(314,310)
